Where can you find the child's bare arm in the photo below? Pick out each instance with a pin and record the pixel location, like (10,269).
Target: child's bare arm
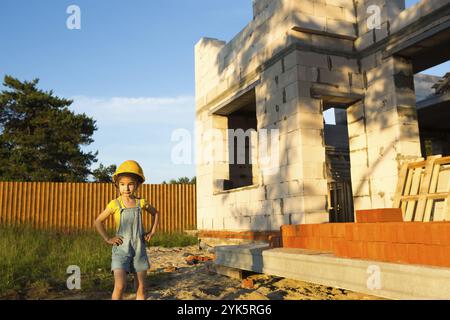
(152,210)
(101,228)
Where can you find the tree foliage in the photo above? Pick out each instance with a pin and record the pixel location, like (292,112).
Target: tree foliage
(103,173)
(40,138)
(182,180)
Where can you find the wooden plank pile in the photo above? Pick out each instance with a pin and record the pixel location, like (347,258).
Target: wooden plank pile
(423,190)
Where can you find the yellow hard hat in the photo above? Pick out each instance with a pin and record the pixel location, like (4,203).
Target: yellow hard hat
(129,166)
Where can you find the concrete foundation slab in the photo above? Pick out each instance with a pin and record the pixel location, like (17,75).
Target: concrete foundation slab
(233,273)
(246,257)
(388,280)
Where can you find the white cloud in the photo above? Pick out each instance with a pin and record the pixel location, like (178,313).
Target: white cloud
(137,110)
(139,128)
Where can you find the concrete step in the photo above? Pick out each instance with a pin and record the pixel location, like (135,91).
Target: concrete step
(387,280)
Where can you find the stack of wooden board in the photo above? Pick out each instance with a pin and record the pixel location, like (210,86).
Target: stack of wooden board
(423,190)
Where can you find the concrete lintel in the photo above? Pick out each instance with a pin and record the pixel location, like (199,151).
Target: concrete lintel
(336,95)
(396,37)
(433,100)
(324,33)
(398,47)
(238,100)
(308,48)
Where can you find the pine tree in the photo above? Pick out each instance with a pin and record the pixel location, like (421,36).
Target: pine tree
(104,174)
(182,180)
(40,138)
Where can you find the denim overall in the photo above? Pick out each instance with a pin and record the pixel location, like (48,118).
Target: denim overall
(131,255)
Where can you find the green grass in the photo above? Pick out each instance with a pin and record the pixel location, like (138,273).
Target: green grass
(176,239)
(33,263)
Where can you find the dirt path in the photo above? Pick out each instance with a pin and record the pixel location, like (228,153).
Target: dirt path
(171,277)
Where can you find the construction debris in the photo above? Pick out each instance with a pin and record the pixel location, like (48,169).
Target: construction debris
(247,283)
(191,260)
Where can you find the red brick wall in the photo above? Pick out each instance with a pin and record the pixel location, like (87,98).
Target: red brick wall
(379,215)
(400,242)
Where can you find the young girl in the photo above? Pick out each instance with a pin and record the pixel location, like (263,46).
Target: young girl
(128,252)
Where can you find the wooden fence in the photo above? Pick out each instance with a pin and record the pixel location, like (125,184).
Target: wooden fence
(75,206)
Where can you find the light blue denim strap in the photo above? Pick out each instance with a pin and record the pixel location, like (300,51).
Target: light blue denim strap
(119,230)
(118,203)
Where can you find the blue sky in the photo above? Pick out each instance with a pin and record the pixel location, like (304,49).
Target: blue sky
(131,66)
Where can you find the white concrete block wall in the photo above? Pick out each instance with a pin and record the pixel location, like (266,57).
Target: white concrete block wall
(379,141)
(277,220)
(389,9)
(259,40)
(369,34)
(297,191)
(413,13)
(206,68)
(322,16)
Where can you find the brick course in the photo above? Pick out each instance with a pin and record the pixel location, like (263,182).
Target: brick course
(426,243)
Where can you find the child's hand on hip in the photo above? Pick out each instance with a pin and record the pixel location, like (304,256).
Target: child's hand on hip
(116,241)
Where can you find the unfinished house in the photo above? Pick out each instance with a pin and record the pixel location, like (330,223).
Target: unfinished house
(266,91)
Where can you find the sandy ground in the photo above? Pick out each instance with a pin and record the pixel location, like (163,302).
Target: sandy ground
(171,277)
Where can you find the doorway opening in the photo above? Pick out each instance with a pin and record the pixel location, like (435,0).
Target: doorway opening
(432,89)
(340,195)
